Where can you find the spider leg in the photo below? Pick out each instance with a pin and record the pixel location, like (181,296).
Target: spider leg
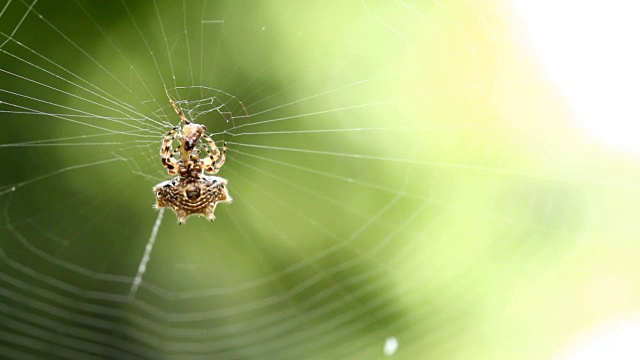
(167,152)
(215,159)
(179,112)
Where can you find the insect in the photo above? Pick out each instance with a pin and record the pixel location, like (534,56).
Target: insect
(192,192)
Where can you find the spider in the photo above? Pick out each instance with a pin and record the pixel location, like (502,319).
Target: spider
(192,192)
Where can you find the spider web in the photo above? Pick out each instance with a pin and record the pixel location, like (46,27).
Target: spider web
(393,192)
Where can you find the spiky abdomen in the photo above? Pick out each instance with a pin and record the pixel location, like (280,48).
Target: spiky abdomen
(189,196)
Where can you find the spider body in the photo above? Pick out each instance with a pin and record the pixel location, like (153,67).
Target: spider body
(192,192)
(192,197)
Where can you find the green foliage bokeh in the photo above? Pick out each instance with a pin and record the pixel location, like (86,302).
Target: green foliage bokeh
(458,226)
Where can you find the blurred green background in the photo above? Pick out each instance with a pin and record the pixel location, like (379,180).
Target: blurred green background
(398,169)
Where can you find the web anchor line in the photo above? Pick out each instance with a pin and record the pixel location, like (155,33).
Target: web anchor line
(147,255)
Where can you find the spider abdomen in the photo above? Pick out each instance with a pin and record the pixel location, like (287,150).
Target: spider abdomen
(192,196)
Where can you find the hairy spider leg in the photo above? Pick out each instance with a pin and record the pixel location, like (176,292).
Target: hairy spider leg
(167,153)
(179,112)
(209,164)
